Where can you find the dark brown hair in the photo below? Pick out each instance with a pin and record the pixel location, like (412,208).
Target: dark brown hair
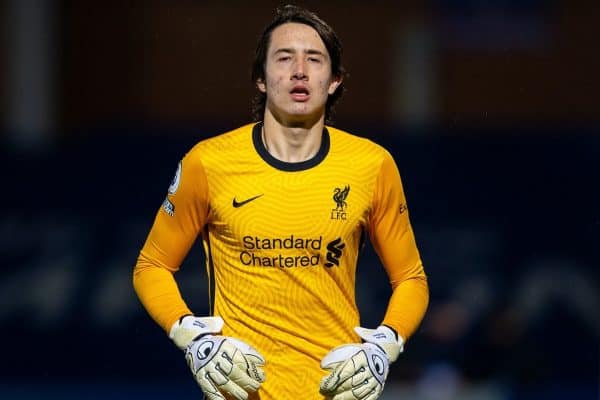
(291,13)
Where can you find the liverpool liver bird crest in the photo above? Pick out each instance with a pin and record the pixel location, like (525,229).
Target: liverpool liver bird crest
(339,196)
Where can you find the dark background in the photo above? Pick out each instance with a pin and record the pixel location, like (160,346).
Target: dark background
(491,109)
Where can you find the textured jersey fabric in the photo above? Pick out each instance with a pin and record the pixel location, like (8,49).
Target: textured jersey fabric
(282,242)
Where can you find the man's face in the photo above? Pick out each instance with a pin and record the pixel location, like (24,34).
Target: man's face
(298,76)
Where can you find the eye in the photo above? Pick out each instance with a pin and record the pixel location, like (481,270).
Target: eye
(314,60)
(284,58)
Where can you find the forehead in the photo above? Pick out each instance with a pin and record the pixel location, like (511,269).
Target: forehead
(296,36)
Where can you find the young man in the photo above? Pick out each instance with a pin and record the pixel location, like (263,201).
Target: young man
(283,206)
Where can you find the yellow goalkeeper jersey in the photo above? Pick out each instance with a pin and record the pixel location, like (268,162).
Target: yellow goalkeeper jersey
(282,242)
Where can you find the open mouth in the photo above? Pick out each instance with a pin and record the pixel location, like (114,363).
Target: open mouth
(299,93)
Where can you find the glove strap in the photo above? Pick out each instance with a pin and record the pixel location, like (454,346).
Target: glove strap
(384,337)
(188,328)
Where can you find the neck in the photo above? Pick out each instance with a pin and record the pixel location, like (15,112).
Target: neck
(294,142)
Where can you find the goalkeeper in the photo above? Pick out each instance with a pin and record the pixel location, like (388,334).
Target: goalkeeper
(283,206)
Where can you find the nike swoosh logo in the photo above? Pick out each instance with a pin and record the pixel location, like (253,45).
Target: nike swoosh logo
(237,204)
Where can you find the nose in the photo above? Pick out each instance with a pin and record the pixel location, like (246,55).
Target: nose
(299,71)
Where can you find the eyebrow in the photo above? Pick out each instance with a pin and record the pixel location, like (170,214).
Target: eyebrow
(292,51)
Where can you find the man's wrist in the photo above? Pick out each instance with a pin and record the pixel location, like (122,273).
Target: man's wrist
(385,337)
(185,330)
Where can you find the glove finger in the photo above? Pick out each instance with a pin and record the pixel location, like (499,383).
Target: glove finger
(248,367)
(354,368)
(213,396)
(366,389)
(255,358)
(228,386)
(374,395)
(242,379)
(347,395)
(358,380)
(339,355)
(208,387)
(256,372)
(344,370)
(331,383)
(353,376)
(366,394)
(248,351)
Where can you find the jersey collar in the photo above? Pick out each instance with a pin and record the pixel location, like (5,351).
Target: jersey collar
(288,166)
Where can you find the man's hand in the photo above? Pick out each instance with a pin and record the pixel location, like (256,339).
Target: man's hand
(224,365)
(359,370)
(221,365)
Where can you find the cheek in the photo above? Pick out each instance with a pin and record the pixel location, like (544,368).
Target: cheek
(324,86)
(274,84)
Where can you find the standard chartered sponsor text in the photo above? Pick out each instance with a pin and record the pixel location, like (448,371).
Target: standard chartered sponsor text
(307,259)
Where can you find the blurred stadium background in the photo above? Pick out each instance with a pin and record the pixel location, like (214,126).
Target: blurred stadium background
(491,108)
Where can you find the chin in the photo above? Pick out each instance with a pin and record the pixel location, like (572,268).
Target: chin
(298,115)
(304,118)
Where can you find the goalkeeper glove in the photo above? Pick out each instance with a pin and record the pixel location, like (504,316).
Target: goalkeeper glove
(359,370)
(221,365)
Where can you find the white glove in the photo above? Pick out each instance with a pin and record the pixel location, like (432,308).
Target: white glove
(359,370)
(221,365)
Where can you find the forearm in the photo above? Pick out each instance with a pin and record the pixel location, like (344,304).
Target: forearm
(157,290)
(407,306)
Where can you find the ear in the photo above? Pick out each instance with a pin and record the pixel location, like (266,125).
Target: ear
(335,82)
(260,84)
